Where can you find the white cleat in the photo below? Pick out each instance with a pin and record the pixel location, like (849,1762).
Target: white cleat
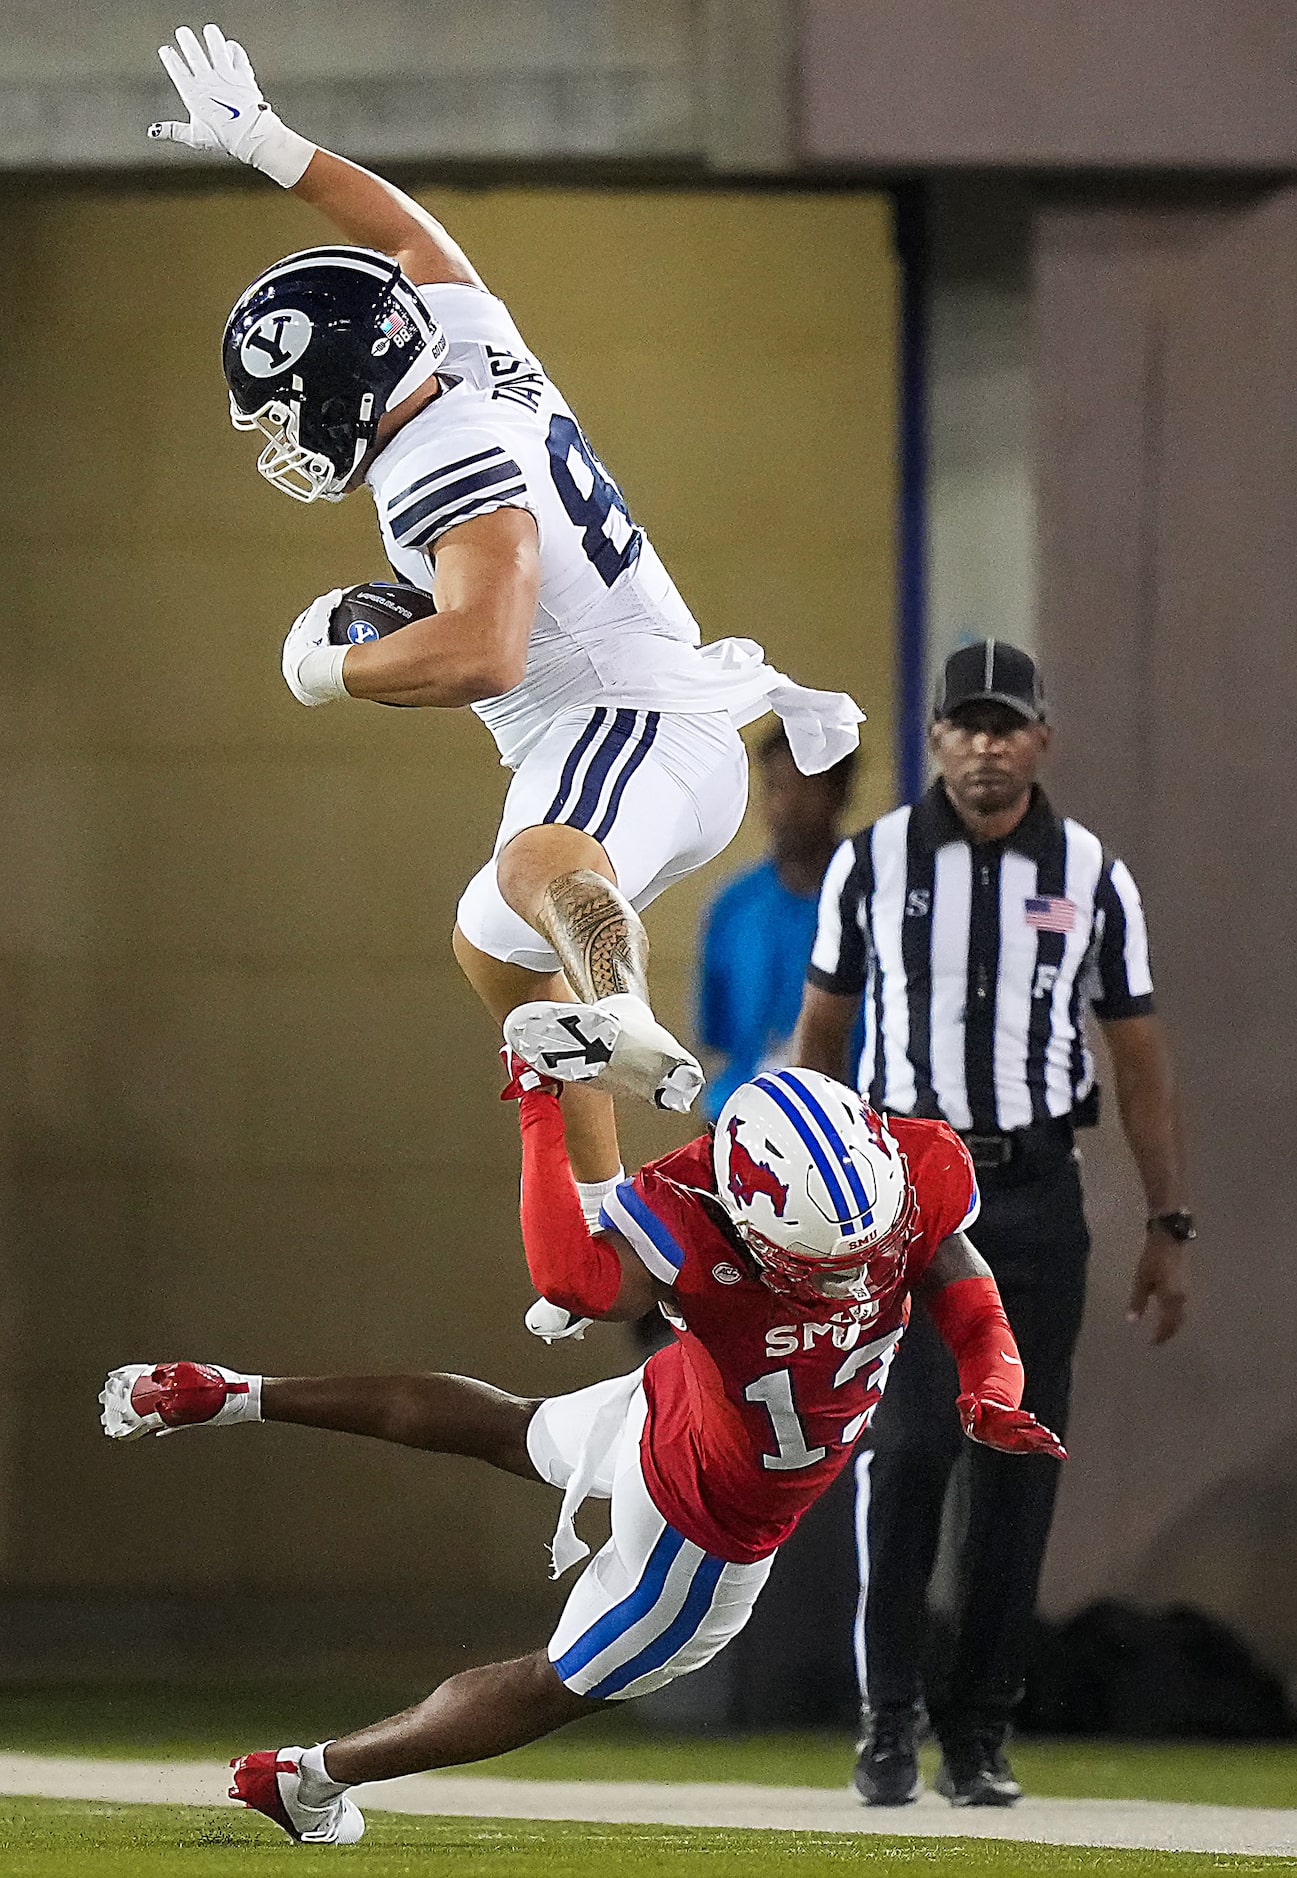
(120,1419)
(618,1040)
(270,1782)
(552,1324)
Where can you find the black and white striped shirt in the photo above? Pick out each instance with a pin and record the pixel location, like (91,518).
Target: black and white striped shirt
(979,961)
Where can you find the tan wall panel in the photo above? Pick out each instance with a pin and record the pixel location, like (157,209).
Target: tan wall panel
(255,1110)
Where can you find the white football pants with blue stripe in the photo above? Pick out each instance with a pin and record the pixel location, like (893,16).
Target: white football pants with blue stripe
(663,792)
(651,1605)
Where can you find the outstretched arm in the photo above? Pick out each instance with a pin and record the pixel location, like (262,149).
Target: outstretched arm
(589,1274)
(218,87)
(379,215)
(964,1303)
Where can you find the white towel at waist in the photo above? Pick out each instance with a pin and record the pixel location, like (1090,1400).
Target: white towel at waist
(600,1444)
(729,675)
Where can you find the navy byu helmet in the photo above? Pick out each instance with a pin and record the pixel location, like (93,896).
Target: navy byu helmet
(315,351)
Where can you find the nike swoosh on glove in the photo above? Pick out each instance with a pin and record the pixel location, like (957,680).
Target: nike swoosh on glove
(1010,1430)
(219,89)
(552,1324)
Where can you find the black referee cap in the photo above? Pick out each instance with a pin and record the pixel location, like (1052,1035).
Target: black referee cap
(991,669)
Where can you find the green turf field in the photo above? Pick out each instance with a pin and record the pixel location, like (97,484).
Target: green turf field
(134,1722)
(65,1839)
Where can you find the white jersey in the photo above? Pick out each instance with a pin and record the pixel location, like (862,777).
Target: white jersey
(610,625)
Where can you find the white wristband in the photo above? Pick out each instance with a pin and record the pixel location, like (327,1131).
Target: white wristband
(319,676)
(269,146)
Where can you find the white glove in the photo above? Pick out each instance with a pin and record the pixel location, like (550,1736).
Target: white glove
(226,109)
(552,1324)
(312,667)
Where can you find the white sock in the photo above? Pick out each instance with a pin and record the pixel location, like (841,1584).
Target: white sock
(317,1789)
(593,1194)
(243,1407)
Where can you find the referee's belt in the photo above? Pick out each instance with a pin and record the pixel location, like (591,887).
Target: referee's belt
(1024,1150)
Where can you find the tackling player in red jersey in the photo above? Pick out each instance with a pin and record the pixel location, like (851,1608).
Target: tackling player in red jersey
(784,1253)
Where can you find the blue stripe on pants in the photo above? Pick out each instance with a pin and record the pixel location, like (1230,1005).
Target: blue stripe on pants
(637,756)
(577,751)
(638,1603)
(596,774)
(677,1633)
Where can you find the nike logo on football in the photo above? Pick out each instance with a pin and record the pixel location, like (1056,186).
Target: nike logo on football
(225,107)
(1014,1360)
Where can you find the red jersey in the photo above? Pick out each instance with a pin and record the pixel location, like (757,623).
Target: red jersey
(758,1403)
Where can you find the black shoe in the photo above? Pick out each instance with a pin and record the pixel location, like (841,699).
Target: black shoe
(975,1770)
(887,1759)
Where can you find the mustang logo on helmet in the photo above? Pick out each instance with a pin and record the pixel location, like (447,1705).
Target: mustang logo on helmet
(843,1207)
(749,1177)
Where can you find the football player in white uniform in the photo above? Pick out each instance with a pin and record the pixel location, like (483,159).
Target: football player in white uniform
(391,364)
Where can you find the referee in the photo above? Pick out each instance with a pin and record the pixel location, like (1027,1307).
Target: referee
(978,927)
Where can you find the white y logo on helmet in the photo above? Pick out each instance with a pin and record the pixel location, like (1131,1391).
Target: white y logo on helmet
(274,342)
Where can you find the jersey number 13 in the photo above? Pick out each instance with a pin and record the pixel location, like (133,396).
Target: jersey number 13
(775,1393)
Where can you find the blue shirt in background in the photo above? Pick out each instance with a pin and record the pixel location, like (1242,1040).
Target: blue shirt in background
(756,945)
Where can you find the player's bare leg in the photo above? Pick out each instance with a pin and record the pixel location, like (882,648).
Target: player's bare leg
(480,1712)
(588,1117)
(472,1716)
(444,1414)
(561,882)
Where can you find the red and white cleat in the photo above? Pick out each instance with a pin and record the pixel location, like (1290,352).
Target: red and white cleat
(270,1781)
(153,1399)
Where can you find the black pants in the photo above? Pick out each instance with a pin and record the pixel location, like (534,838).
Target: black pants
(1032,1233)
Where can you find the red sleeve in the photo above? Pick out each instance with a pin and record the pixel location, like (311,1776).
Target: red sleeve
(970,1317)
(945,1182)
(570,1267)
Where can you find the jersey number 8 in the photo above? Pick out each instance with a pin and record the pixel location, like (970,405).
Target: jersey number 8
(609,537)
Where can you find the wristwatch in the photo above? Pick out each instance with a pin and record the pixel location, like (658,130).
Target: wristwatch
(1177,1225)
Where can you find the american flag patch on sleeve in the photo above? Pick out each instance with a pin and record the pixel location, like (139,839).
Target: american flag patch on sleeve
(1050,914)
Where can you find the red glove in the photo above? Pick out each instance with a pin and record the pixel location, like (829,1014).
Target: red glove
(1011,1430)
(971,1319)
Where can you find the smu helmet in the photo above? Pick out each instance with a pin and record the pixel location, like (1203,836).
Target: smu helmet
(315,351)
(816,1186)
